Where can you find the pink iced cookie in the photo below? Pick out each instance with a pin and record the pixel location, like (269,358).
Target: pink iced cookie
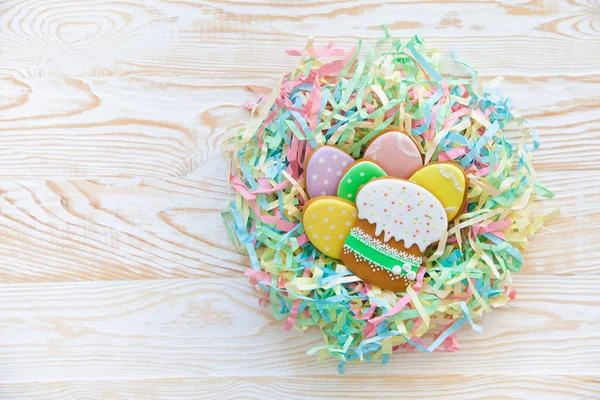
(396,153)
(324,170)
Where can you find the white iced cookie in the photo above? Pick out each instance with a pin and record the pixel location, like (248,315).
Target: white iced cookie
(397,221)
(402,210)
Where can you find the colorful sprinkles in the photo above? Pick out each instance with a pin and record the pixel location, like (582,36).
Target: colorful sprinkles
(345,103)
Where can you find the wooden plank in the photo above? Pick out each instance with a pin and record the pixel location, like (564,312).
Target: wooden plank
(112,127)
(214,328)
(157,229)
(451,387)
(232,37)
(158,127)
(126,230)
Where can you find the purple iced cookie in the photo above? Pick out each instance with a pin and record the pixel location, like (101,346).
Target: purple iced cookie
(324,170)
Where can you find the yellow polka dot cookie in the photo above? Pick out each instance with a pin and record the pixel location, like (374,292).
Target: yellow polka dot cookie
(327,222)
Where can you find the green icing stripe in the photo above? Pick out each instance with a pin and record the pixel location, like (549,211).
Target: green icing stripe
(377,256)
(352,180)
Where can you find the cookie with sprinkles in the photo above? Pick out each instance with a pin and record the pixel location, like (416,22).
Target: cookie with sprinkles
(324,168)
(397,221)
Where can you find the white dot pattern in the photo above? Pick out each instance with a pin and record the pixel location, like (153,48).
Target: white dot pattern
(324,169)
(404,211)
(327,223)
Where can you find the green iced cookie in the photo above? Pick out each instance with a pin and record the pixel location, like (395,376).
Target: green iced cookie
(357,175)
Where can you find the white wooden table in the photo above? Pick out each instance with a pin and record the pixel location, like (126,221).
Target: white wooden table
(117,279)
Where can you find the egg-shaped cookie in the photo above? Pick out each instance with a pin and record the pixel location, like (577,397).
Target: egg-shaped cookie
(396,153)
(358,174)
(324,169)
(327,222)
(448,182)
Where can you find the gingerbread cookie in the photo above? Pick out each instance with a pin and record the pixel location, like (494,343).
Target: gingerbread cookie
(396,153)
(327,223)
(398,220)
(382,239)
(359,173)
(447,181)
(324,169)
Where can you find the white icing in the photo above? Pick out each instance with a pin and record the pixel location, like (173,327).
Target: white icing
(374,148)
(400,209)
(450,175)
(382,247)
(450,209)
(411,150)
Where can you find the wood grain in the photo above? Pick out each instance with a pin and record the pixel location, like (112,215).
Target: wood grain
(111,127)
(234,37)
(214,328)
(117,278)
(451,387)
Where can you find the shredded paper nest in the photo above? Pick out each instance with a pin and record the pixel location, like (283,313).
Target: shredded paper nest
(345,103)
